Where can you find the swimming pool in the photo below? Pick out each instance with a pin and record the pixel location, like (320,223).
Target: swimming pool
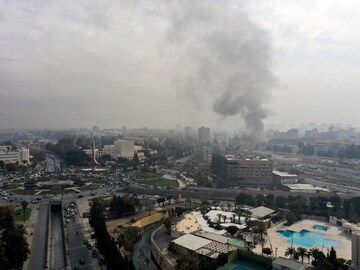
(308,239)
(321,227)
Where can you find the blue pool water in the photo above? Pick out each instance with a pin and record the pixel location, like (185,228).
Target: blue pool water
(321,227)
(308,239)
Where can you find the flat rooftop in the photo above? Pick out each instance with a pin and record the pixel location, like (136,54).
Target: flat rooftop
(191,242)
(309,187)
(284,174)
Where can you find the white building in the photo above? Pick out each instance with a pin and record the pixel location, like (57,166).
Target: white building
(124,148)
(20,155)
(285,178)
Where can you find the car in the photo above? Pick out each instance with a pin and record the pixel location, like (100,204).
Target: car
(80,196)
(76,267)
(81,261)
(88,246)
(85,242)
(67,220)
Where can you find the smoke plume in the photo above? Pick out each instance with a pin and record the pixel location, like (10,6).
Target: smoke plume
(225,55)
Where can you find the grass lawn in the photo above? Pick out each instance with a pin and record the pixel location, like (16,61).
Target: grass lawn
(18,215)
(159,182)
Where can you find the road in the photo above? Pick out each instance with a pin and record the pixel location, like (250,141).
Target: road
(57,259)
(38,256)
(76,234)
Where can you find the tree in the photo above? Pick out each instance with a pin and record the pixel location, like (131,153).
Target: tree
(260,229)
(24,205)
(167,223)
(219,218)
(269,200)
(302,253)
(16,249)
(289,252)
(232,229)
(280,201)
(6,219)
(332,257)
(224,218)
(266,251)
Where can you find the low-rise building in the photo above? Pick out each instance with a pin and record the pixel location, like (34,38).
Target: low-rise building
(285,178)
(306,188)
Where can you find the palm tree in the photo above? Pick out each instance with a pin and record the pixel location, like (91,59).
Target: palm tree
(247,214)
(219,217)
(308,256)
(24,205)
(261,229)
(313,252)
(302,252)
(290,251)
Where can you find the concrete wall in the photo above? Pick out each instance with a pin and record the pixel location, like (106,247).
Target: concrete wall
(158,257)
(314,217)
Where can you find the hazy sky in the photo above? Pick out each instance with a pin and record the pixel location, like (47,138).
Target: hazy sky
(161,63)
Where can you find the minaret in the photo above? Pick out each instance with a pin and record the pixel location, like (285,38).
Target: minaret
(93,156)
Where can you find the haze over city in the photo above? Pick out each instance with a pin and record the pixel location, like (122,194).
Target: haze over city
(161,63)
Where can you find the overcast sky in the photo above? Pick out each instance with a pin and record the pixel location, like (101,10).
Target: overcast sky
(161,63)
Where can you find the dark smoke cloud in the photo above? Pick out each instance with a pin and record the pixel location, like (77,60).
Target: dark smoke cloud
(225,55)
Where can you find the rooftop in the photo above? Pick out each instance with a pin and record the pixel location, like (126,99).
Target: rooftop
(191,242)
(284,174)
(261,211)
(305,187)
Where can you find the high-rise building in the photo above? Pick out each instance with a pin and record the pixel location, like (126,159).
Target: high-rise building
(204,134)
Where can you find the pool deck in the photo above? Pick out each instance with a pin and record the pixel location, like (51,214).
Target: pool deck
(333,233)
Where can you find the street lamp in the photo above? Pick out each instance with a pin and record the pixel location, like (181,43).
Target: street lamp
(276,252)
